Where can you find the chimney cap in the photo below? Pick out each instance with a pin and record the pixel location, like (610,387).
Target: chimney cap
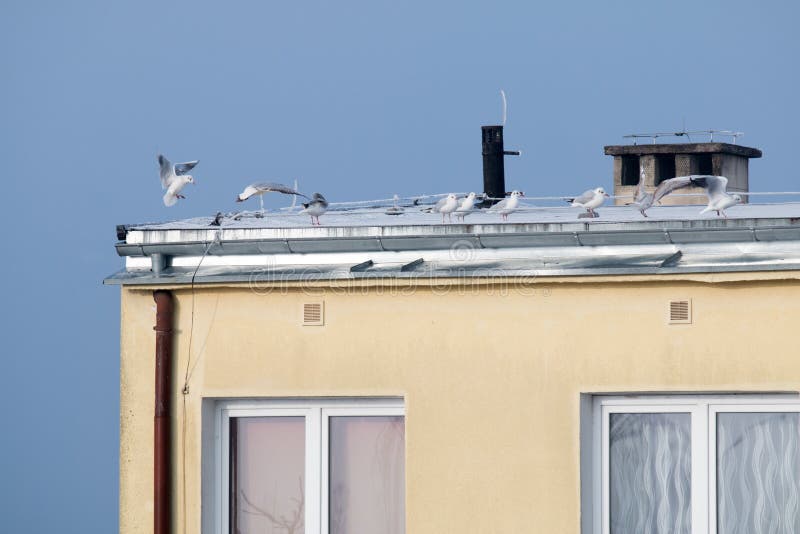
(682,148)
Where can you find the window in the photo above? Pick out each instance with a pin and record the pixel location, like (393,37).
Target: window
(310,466)
(705,164)
(665,167)
(630,170)
(689,465)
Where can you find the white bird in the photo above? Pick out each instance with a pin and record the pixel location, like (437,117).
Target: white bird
(395,209)
(589,200)
(507,206)
(446,206)
(715,186)
(174,178)
(260,188)
(465,207)
(641,198)
(316,207)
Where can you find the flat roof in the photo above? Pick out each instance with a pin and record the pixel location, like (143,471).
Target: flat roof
(542,240)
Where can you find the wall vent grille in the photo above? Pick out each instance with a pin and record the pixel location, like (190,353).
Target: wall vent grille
(680,312)
(313,314)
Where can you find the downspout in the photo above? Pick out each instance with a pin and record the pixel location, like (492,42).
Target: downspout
(162,468)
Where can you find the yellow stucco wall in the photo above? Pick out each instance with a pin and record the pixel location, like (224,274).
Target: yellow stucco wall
(491,377)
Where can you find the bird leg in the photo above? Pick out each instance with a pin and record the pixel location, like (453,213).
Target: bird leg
(261,200)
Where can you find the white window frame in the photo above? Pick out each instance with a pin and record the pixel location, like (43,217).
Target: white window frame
(316,413)
(703,410)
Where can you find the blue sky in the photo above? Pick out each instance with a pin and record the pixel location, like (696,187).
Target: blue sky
(358,100)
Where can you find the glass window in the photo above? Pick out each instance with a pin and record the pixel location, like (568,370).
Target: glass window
(316,467)
(758,472)
(650,472)
(697,464)
(366,486)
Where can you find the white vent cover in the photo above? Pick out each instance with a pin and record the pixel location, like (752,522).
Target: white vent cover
(313,314)
(680,311)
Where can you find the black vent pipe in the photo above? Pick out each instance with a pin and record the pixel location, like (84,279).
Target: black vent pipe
(494,174)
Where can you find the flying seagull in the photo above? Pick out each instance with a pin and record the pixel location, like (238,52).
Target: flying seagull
(715,186)
(591,199)
(174,178)
(446,206)
(507,206)
(315,207)
(260,188)
(465,207)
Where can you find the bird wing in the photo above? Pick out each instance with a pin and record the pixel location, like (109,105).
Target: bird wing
(166,171)
(184,168)
(715,186)
(639,193)
(267,187)
(319,200)
(439,205)
(668,186)
(500,205)
(585,197)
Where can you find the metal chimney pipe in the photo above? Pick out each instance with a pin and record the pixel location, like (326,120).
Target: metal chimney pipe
(494,174)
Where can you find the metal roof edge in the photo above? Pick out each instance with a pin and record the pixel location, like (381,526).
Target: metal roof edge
(584,234)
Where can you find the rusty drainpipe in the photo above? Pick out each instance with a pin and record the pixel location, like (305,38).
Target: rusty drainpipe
(162,468)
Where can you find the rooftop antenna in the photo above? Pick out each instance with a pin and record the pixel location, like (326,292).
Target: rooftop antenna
(505,106)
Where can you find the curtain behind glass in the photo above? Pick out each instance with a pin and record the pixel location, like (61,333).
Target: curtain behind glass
(758,473)
(650,473)
(367,475)
(267,475)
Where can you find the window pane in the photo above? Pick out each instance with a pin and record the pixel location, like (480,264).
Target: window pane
(650,473)
(267,475)
(367,475)
(758,473)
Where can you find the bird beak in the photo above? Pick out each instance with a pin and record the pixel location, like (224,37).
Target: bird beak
(606,194)
(238,199)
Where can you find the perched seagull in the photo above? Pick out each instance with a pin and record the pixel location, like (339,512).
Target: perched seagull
(715,186)
(316,207)
(591,199)
(266,187)
(465,207)
(174,178)
(507,206)
(395,209)
(446,206)
(641,198)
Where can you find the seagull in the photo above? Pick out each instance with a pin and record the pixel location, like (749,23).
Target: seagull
(260,188)
(507,206)
(590,200)
(447,206)
(641,198)
(316,207)
(465,207)
(715,186)
(174,178)
(395,209)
